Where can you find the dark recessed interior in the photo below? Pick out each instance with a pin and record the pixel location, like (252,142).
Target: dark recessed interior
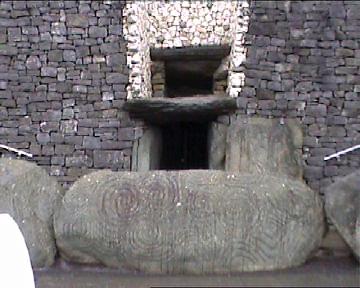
(184,146)
(189,78)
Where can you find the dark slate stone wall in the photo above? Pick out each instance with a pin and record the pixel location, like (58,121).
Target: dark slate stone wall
(62,85)
(303,61)
(63,79)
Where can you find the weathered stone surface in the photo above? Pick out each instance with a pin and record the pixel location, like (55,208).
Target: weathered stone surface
(260,145)
(192,221)
(217,145)
(30,196)
(342,206)
(180,108)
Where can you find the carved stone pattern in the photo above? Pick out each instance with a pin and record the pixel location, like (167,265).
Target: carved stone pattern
(189,221)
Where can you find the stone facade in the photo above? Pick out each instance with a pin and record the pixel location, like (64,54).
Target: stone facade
(176,24)
(302,62)
(62,85)
(64,68)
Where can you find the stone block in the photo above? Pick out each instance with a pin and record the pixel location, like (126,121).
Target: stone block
(77,20)
(117,59)
(97,32)
(55,55)
(8,50)
(108,159)
(116,78)
(217,146)
(197,222)
(33,62)
(91,142)
(109,48)
(342,206)
(69,55)
(48,72)
(316,110)
(259,145)
(31,196)
(78,161)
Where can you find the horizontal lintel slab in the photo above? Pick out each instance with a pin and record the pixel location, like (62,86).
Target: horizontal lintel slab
(196,108)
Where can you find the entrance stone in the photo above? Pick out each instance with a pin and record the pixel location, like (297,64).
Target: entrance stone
(342,205)
(189,222)
(30,196)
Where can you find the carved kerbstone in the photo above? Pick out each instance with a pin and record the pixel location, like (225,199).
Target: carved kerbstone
(30,196)
(342,204)
(192,221)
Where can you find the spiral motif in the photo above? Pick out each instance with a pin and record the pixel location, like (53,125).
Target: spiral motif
(120,200)
(161,192)
(148,240)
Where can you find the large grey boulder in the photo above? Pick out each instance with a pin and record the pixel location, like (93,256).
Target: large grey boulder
(30,196)
(342,206)
(261,145)
(190,221)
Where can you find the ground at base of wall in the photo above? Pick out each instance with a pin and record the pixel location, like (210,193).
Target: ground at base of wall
(325,272)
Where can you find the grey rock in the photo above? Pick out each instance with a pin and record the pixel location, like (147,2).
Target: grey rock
(48,71)
(82,51)
(91,142)
(108,159)
(69,55)
(8,50)
(33,62)
(217,145)
(147,150)
(58,29)
(55,56)
(109,48)
(342,206)
(260,145)
(97,32)
(117,59)
(116,78)
(78,161)
(189,222)
(43,138)
(76,20)
(31,196)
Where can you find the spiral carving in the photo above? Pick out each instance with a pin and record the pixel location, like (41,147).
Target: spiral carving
(119,201)
(190,221)
(161,192)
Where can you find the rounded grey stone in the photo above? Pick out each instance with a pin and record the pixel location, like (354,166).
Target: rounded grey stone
(188,222)
(30,196)
(342,206)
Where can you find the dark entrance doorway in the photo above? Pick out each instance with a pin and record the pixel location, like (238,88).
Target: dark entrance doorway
(184,146)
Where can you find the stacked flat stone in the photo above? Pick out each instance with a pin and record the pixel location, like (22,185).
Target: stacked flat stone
(138,50)
(190,23)
(63,78)
(158,79)
(238,50)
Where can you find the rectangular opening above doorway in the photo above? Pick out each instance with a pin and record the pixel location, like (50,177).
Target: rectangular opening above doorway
(189,71)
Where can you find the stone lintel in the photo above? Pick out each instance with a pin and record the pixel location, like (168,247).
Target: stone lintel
(210,52)
(197,108)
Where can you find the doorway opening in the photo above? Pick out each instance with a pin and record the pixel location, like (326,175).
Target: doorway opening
(184,146)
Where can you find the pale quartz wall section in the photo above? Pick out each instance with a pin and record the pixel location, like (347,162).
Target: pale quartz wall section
(136,27)
(175,24)
(185,23)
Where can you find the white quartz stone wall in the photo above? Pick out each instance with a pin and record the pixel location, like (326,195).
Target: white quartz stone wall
(136,27)
(238,52)
(190,23)
(173,24)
